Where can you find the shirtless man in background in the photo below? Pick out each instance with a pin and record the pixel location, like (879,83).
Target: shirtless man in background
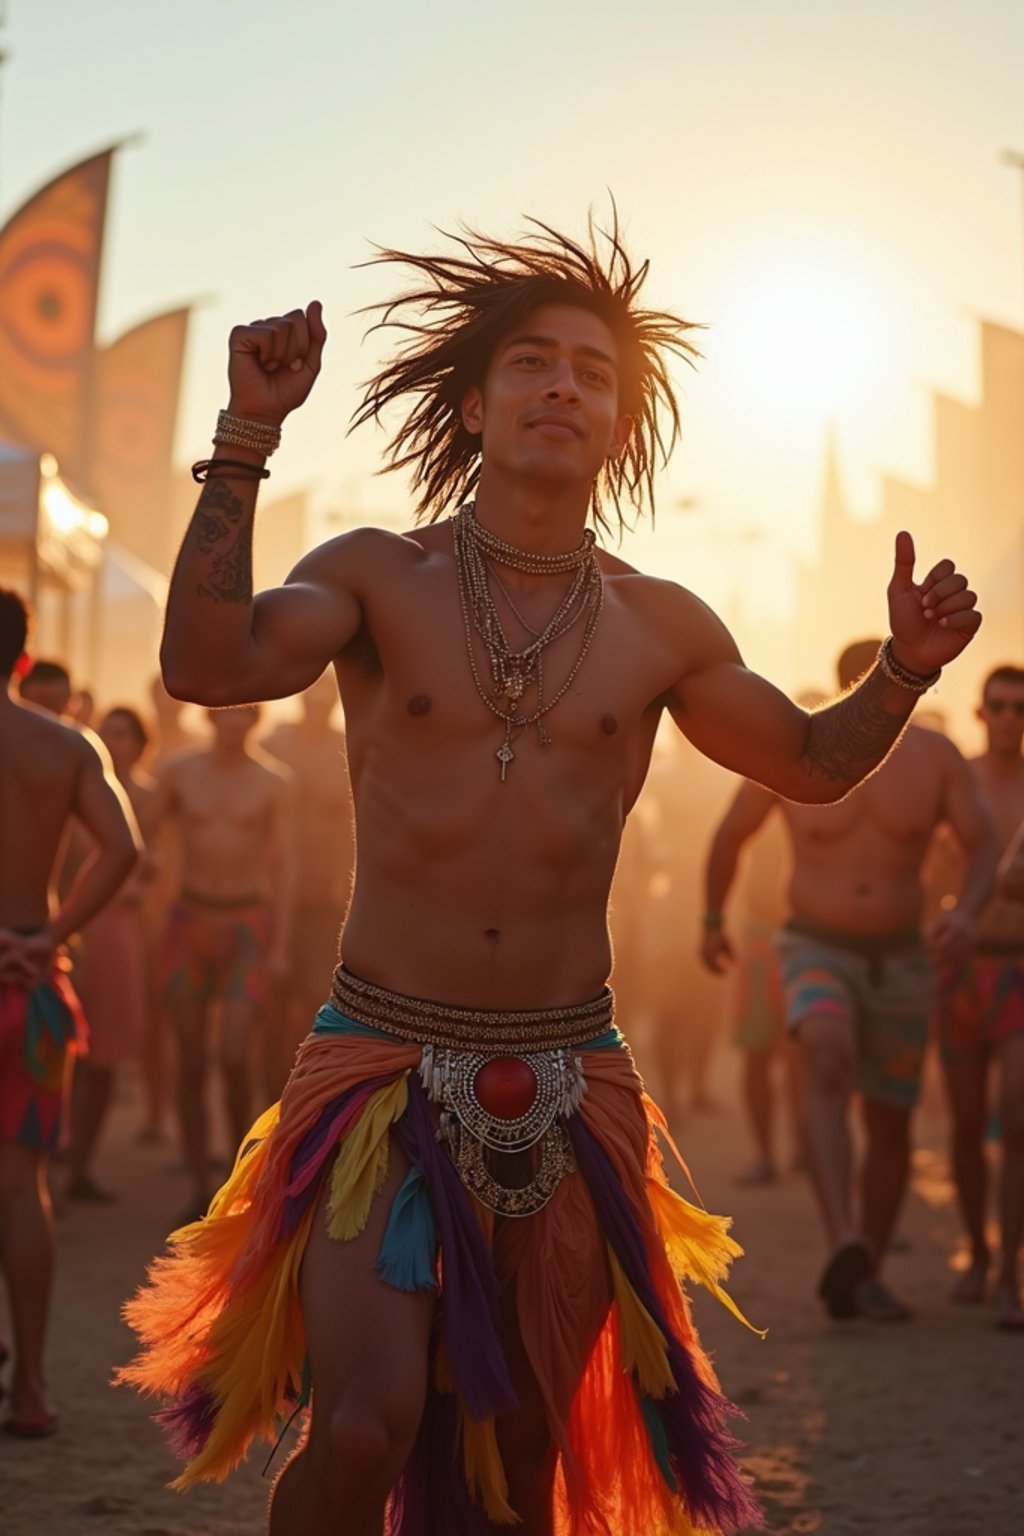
(859,974)
(488,829)
(981,1019)
(227,932)
(49,774)
(314,751)
(110,973)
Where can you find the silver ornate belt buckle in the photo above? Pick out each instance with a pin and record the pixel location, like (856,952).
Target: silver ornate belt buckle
(500,1121)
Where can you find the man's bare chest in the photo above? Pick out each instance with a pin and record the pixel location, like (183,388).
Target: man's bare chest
(1004,799)
(423,660)
(214,802)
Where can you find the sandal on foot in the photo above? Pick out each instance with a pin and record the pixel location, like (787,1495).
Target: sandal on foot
(1009,1312)
(844,1274)
(878,1304)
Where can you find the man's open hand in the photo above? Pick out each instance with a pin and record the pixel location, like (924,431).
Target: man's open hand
(273,364)
(931,622)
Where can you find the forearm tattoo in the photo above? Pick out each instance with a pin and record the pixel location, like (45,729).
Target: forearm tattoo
(221,530)
(850,738)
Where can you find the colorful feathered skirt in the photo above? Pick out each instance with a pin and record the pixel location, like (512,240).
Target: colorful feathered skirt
(532,1156)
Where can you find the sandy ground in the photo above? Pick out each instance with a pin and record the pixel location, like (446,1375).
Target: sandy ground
(915,1429)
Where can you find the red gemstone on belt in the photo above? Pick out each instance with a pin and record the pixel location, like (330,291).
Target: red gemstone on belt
(505,1087)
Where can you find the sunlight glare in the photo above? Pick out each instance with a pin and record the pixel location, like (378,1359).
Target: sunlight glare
(802,339)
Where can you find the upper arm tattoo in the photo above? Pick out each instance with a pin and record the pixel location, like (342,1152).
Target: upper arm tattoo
(223,534)
(851,737)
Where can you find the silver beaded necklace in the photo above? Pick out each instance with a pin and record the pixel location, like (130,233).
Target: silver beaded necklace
(513,673)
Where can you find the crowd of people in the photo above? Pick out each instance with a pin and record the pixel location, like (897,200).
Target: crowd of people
(211,951)
(855,935)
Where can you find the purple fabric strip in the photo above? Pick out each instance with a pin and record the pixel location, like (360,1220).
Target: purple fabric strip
(188,1421)
(431,1497)
(693,1416)
(469,1285)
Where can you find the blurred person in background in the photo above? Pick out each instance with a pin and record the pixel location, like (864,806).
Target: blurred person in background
(859,974)
(757,1003)
(980,1016)
(169,736)
(82,708)
(324,860)
(227,932)
(684,792)
(110,971)
(47,685)
(49,774)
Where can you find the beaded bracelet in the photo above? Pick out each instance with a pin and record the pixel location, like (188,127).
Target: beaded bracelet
(221,469)
(242,432)
(914,682)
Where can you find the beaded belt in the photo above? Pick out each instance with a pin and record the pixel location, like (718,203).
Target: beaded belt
(504,1082)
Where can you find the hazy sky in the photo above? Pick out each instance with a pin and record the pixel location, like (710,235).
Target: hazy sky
(761,153)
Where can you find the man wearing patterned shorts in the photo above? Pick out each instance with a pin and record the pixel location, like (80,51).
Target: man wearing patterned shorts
(858,975)
(226,936)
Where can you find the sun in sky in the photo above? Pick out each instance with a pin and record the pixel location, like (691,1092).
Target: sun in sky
(801,335)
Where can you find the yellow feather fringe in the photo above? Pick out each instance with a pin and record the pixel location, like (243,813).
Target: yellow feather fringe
(362,1164)
(256,1347)
(642,1342)
(698,1244)
(485,1471)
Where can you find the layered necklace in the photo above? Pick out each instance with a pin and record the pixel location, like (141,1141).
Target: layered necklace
(514,673)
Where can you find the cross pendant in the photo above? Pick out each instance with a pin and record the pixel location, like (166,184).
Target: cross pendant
(504,755)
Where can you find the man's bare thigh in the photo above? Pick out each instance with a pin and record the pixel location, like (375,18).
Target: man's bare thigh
(367,1341)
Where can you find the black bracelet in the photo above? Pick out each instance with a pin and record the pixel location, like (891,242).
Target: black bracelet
(217,469)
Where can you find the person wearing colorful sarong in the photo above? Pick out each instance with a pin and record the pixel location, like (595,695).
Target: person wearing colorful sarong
(226,937)
(49,773)
(453,1239)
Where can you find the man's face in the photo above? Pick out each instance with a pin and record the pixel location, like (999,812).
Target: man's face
(1002,714)
(48,693)
(121,741)
(549,406)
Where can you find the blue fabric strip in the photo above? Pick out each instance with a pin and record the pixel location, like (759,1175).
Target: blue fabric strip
(408,1250)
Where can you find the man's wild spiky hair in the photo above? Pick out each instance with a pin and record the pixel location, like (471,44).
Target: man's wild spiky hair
(454,320)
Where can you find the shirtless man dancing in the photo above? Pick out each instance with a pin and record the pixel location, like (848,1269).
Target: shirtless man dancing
(981,1019)
(227,933)
(463,1151)
(859,974)
(49,773)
